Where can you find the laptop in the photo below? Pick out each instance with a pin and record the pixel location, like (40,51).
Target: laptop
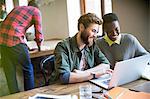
(124,72)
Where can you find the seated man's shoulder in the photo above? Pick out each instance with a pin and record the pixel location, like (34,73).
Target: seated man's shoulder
(64,42)
(128,36)
(100,40)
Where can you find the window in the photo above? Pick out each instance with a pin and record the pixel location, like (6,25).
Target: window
(23,2)
(92,6)
(99,7)
(9,5)
(106,6)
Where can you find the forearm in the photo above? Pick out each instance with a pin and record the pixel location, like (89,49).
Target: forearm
(39,38)
(39,42)
(99,68)
(86,75)
(79,77)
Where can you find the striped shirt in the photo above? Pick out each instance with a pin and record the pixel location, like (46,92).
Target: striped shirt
(13,28)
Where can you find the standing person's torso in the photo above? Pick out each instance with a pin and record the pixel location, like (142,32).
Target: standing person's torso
(14,27)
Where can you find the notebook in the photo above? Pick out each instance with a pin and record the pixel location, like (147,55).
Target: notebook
(144,87)
(124,72)
(123,93)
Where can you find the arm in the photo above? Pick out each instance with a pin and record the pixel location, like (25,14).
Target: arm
(80,76)
(102,64)
(66,69)
(139,49)
(38,28)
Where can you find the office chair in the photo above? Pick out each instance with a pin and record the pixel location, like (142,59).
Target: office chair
(47,67)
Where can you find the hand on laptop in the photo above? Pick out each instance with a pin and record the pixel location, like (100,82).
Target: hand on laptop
(99,74)
(109,71)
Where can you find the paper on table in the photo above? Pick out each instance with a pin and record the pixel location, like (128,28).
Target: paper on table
(146,73)
(43,48)
(46,96)
(47,45)
(123,93)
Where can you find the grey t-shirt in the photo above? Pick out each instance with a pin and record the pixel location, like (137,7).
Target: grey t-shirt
(129,47)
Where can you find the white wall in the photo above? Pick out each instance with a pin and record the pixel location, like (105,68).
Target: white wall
(94,6)
(107,6)
(23,2)
(73,12)
(60,18)
(133,15)
(55,22)
(9,5)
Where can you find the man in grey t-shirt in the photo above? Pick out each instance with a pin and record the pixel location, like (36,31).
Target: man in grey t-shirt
(115,45)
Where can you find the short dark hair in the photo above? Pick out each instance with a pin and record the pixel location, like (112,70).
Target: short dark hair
(110,17)
(87,19)
(33,3)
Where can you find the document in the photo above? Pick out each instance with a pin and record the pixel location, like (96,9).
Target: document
(47,96)
(144,87)
(123,93)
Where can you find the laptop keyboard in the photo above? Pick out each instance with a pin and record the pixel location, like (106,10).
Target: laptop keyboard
(106,81)
(106,76)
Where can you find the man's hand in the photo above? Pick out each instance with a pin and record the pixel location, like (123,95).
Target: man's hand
(99,74)
(109,71)
(38,42)
(39,48)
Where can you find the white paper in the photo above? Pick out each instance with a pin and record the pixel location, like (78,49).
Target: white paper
(46,96)
(146,73)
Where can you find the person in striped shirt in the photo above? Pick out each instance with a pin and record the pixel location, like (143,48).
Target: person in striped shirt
(14,51)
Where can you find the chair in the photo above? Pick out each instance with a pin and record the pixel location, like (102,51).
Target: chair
(47,67)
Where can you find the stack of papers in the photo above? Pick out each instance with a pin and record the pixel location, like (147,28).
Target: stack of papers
(46,96)
(144,87)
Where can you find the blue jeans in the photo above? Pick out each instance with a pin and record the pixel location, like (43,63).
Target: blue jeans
(17,56)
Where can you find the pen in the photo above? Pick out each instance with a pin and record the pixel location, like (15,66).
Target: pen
(134,90)
(40,97)
(100,91)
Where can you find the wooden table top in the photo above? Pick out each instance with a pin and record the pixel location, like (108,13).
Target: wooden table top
(58,89)
(47,48)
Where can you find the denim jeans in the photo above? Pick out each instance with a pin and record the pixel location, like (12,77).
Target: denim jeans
(17,56)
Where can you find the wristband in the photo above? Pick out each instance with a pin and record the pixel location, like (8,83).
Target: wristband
(94,75)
